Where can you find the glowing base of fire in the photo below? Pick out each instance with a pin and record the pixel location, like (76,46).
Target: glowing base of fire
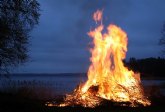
(92,99)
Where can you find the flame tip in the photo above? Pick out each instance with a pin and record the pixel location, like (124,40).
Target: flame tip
(108,78)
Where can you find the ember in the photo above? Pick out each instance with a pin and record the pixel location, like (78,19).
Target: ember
(108,78)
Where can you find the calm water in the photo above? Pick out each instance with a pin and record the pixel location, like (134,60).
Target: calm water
(61,83)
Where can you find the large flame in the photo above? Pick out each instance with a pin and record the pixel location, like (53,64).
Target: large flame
(108,78)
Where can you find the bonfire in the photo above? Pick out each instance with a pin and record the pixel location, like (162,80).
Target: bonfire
(108,78)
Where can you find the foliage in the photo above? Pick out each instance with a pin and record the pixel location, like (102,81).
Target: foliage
(28,88)
(17,19)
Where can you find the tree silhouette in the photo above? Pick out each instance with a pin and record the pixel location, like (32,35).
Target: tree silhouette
(148,67)
(17,19)
(162,39)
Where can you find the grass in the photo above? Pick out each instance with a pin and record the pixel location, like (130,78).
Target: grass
(31,89)
(32,95)
(17,103)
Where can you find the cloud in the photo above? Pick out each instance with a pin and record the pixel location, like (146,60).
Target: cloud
(60,42)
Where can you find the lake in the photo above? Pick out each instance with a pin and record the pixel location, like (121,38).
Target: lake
(59,83)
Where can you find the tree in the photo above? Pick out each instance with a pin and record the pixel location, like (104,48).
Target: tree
(17,19)
(162,39)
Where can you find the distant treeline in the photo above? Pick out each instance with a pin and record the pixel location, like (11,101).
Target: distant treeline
(148,67)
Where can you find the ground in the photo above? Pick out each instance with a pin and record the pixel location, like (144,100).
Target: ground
(18,103)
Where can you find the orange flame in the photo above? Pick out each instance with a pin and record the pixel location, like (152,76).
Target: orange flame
(107,70)
(97,16)
(108,78)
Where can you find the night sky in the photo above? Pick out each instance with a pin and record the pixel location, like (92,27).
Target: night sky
(60,44)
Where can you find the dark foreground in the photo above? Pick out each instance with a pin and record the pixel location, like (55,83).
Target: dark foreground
(19,103)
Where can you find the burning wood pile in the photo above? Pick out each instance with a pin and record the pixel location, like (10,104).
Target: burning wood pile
(108,78)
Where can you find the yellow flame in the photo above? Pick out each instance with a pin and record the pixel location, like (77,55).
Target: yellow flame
(107,70)
(108,78)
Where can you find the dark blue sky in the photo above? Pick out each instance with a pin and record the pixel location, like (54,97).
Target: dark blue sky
(59,44)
